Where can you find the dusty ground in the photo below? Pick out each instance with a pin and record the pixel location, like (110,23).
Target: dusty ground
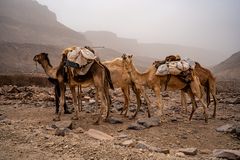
(26,115)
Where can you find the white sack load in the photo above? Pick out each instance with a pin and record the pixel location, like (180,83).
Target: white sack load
(88,54)
(162,70)
(74,54)
(80,55)
(173,69)
(191,63)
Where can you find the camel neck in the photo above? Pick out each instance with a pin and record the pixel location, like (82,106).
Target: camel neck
(48,69)
(138,77)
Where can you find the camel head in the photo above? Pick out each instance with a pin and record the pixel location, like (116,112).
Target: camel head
(127,62)
(40,57)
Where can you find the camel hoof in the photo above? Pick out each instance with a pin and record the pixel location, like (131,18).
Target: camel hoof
(67,112)
(56,119)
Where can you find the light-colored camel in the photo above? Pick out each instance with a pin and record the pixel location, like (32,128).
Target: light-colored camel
(121,79)
(97,75)
(149,79)
(208,81)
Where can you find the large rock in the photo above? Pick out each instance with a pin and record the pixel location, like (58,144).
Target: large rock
(127,143)
(114,120)
(136,126)
(188,151)
(62,124)
(98,134)
(226,128)
(228,154)
(149,122)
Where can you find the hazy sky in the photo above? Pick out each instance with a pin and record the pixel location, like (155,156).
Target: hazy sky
(210,24)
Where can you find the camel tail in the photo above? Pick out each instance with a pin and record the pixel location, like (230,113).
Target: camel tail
(108,76)
(208,93)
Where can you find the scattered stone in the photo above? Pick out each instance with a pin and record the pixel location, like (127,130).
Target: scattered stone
(141,145)
(188,151)
(205,151)
(228,154)
(91,101)
(149,122)
(98,135)
(78,130)
(127,143)
(121,136)
(237,101)
(2,117)
(62,124)
(237,131)
(14,90)
(180,154)
(136,126)
(114,120)
(62,131)
(226,128)
(159,150)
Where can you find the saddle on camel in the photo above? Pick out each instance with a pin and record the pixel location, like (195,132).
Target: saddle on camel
(174,65)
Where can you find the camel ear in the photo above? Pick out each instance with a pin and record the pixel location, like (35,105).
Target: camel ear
(124,56)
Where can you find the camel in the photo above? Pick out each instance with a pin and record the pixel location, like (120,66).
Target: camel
(208,82)
(97,75)
(121,79)
(149,79)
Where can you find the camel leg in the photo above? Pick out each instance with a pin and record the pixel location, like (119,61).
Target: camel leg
(126,93)
(62,96)
(137,93)
(194,104)
(103,104)
(157,91)
(147,100)
(76,108)
(184,101)
(108,100)
(215,105)
(204,110)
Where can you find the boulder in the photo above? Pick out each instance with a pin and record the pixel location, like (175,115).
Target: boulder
(227,154)
(226,128)
(62,131)
(188,151)
(127,143)
(136,126)
(149,122)
(98,134)
(114,120)
(62,124)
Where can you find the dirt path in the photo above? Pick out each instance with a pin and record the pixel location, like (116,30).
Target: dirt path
(26,132)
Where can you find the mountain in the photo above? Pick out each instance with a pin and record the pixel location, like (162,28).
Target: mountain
(154,50)
(18,57)
(27,21)
(228,69)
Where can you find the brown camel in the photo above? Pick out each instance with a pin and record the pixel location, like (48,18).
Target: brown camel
(121,79)
(208,82)
(97,75)
(149,79)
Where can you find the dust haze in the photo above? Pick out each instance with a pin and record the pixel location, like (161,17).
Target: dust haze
(212,25)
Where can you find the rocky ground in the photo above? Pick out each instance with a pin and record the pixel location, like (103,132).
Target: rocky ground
(28,132)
